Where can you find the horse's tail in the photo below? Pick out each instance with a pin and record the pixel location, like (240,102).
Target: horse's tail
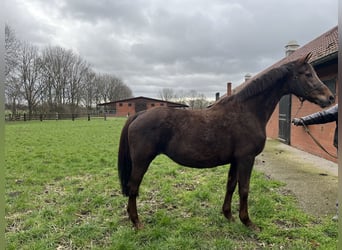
(124,157)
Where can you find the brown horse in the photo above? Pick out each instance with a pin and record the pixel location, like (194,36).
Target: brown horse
(231,131)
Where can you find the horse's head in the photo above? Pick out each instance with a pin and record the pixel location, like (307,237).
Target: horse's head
(306,84)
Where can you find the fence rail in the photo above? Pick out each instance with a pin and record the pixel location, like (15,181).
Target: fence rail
(55,116)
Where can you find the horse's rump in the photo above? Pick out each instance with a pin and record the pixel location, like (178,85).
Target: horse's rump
(124,157)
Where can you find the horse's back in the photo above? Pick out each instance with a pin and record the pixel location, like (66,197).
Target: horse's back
(162,118)
(152,129)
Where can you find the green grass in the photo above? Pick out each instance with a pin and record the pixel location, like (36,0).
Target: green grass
(62,192)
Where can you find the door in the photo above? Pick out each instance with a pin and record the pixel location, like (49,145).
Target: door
(140,106)
(285,119)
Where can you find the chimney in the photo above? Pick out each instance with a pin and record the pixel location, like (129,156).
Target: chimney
(229,88)
(291,47)
(217,96)
(247,77)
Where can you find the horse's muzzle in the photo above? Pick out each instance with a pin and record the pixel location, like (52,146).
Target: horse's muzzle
(326,102)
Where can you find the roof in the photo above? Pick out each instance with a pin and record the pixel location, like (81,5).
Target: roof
(326,45)
(323,49)
(142,98)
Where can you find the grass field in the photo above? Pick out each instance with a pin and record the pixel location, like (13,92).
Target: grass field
(62,192)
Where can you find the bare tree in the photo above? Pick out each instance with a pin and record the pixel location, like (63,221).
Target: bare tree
(29,74)
(181,97)
(110,88)
(56,66)
(12,46)
(89,89)
(75,87)
(13,93)
(102,89)
(193,99)
(192,95)
(201,102)
(56,78)
(12,84)
(118,90)
(124,92)
(167,94)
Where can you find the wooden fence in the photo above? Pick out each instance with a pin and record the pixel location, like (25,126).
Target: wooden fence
(54,116)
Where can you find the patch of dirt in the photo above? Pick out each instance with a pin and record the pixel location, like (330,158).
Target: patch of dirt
(313,180)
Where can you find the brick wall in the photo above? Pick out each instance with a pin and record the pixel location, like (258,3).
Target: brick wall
(125,108)
(324,133)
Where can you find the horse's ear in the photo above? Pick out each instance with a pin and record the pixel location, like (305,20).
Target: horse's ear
(306,58)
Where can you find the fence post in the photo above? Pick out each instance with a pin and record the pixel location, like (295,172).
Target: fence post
(72,117)
(105,116)
(88,117)
(24,117)
(41,117)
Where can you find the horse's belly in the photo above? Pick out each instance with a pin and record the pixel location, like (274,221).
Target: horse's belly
(196,159)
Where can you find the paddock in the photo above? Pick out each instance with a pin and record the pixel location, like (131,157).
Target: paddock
(62,192)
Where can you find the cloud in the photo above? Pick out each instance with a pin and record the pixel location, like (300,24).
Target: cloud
(184,45)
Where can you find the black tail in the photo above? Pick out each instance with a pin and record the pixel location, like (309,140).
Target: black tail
(124,157)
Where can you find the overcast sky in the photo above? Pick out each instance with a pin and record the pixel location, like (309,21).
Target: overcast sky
(180,44)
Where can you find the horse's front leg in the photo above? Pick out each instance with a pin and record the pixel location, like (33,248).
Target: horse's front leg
(231,185)
(244,170)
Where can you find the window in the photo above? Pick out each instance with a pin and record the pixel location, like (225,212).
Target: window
(120,104)
(152,104)
(129,104)
(162,104)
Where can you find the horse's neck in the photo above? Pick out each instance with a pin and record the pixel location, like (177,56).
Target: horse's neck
(267,101)
(262,94)
(262,104)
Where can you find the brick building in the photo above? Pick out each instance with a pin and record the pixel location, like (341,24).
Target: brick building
(325,61)
(131,106)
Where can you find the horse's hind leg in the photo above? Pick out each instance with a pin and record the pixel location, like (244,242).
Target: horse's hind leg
(138,171)
(132,211)
(231,185)
(244,169)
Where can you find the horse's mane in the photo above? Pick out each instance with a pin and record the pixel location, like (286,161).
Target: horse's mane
(261,82)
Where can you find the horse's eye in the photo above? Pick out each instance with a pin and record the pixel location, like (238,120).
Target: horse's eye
(308,74)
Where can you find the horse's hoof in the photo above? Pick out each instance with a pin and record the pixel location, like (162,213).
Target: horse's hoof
(254,227)
(248,223)
(138,226)
(229,216)
(231,219)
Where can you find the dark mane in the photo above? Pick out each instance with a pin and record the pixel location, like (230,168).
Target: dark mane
(264,81)
(261,82)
